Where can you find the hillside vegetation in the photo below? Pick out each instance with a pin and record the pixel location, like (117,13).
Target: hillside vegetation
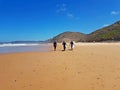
(109,33)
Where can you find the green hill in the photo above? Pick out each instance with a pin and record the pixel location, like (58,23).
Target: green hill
(68,36)
(109,33)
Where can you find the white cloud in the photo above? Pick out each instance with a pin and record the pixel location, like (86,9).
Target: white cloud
(115,12)
(70,15)
(105,25)
(61,8)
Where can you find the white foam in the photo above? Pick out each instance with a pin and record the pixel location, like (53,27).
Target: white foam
(13,45)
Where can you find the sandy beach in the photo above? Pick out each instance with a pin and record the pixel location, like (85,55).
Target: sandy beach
(90,66)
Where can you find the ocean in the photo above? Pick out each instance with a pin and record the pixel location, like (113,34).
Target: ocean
(23,47)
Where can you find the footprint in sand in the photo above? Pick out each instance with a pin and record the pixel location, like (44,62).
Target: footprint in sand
(27,86)
(24,86)
(117,78)
(92,54)
(100,82)
(37,65)
(15,80)
(65,68)
(79,72)
(118,69)
(21,73)
(98,78)
(92,86)
(114,86)
(30,85)
(34,70)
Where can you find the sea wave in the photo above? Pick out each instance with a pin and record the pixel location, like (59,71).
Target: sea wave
(13,45)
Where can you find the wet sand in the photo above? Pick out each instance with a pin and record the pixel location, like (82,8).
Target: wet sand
(87,67)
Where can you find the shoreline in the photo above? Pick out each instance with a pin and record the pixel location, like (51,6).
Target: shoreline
(85,68)
(16,48)
(49,47)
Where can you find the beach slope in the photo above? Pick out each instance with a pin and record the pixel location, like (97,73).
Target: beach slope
(87,67)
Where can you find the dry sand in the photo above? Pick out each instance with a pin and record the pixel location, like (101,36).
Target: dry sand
(87,67)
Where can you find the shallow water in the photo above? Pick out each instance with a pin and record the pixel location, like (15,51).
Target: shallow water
(24,48)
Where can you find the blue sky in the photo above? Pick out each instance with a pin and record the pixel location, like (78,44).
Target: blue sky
(43,19)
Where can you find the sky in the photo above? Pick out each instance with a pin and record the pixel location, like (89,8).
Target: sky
(44,19)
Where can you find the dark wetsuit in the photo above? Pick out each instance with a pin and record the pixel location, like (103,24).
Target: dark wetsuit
(55,45)
(64,45)
(71,45)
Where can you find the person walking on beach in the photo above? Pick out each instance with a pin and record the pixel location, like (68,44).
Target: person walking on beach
(55,45)
(64,45)
(72,45)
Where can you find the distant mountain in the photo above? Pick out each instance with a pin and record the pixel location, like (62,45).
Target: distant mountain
(26,42)
(68,36)
(109,33)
